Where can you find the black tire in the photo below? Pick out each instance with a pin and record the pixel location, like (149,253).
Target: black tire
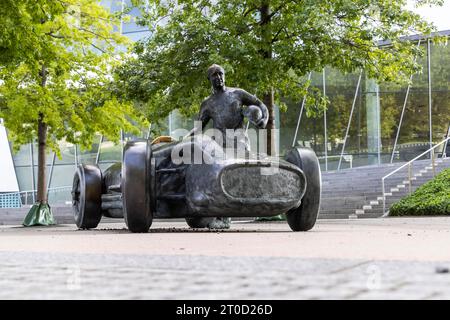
(136,188)
(87,196)
(304,217)
(198,222)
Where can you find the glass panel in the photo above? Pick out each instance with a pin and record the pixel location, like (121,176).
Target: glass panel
(62,175)
(61,184)
(110,152)
(316,138)
(88,156)
(440,114)
(22,157)
(440,84)
(67,154)
(340,90)
(24,178)
(411,140)
(414,134)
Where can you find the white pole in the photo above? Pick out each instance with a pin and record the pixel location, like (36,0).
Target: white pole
(403,111)
(350,120)
(98,150)
(429,96)
(378,125)
(325,123)
(300,115)
(32,171)
(51,172)
(76,156)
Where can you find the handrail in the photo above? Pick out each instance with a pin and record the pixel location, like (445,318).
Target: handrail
(444,152)
(430,150)
(25,193)
(29,191)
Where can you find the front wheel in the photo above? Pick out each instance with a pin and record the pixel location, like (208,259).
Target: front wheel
(136,186)
(87,196)
(304,217)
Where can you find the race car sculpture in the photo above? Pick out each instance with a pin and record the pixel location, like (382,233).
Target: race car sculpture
(149,184)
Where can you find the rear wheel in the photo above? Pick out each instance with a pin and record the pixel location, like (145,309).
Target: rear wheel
(304,217)
(136,188)
(87,196)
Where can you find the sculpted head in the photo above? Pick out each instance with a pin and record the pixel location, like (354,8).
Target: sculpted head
(216,75)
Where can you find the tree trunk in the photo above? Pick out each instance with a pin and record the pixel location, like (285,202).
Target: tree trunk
(266,52)
(268,101)
(42,143)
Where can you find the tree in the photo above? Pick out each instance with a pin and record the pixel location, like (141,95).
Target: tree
(266,46)
(55,63)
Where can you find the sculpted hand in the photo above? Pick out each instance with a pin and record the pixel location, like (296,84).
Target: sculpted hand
(254,115)
(261,124)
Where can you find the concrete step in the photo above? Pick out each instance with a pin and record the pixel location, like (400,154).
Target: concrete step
(337,211)
(325,205)
(369,215)
(334,216)
(375,211)
(357,192)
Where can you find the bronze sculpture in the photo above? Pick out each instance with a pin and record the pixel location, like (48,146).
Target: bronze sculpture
(151,184)
(225,108)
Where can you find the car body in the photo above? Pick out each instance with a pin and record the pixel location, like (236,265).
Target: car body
(152,183)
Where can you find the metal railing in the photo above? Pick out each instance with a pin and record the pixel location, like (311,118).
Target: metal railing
(444,151)
(26,194)
(409,165)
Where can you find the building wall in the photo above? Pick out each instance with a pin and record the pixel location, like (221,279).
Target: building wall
(8,180)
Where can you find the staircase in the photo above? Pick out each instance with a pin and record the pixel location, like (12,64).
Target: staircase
(357,193)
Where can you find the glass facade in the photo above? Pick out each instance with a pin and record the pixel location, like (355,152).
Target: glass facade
(364,122)
(376,116)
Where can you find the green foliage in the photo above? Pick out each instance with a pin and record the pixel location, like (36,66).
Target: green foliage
(55,62)
(278,52)
(432,198)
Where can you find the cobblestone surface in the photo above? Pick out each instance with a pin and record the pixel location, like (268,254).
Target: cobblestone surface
(98,276)
(370,259)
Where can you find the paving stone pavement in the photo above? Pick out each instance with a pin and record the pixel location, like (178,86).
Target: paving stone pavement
(370,259)
(117,276)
